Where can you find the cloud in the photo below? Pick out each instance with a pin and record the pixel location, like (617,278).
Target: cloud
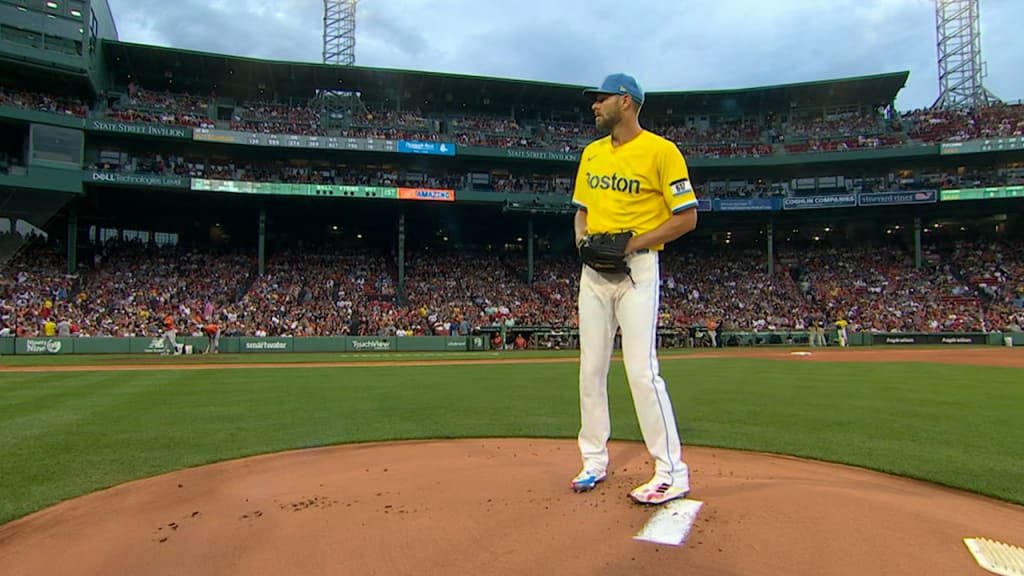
(278,30)
(668,44)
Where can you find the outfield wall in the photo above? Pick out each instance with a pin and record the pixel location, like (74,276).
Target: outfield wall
(235,345)
(42,346)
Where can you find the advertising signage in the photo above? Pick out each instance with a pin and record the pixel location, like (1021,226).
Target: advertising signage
(323,190)
(995,193)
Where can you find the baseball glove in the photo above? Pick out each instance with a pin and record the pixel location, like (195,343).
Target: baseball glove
(605,252)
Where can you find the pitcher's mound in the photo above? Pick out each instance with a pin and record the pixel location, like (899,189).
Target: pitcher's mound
(503,507)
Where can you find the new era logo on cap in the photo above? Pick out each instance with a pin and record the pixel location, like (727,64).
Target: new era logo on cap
(619,84)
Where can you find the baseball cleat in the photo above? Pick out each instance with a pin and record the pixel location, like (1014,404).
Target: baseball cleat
(586,480)
(655,492)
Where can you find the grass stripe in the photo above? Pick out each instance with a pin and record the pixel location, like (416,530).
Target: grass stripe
(69,434)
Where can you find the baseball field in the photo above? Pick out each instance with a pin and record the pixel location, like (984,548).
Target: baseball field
(75,425)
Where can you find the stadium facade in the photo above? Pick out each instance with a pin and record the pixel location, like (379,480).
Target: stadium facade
(107,139)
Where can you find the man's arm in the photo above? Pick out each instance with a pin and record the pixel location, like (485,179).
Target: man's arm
(679,224)
(580,224)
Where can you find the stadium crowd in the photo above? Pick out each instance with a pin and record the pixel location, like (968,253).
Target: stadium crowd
(503,181)
(54,104)
(729,138)
(141,105)
(128,288)
(276,118)
(997,121)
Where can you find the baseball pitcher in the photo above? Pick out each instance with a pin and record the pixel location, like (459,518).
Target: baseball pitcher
(633,195)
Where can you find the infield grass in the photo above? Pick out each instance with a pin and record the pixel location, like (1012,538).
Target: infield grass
(66,434)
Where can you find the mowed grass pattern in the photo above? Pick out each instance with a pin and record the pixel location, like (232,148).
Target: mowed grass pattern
(66,434)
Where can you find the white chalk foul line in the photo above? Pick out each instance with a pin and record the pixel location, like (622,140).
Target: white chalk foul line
(671,524)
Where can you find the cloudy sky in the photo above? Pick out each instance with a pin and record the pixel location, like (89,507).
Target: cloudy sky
(667,44)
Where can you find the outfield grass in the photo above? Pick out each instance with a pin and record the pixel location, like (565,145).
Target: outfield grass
(65,434)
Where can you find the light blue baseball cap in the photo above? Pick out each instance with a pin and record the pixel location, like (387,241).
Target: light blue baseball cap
(619,84)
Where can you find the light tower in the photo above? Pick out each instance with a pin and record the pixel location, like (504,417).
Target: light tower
(961,70)
(340,32)
(337,103)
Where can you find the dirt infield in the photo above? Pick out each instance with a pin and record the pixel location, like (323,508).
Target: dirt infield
(503,507)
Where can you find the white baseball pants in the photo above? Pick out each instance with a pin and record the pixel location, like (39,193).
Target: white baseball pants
(170,343)
(607,302)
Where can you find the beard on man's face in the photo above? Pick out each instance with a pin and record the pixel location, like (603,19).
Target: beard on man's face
(607,120)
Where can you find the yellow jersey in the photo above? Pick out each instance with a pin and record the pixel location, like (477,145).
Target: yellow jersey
(635,186)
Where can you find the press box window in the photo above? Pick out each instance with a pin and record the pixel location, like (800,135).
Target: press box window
(56,145)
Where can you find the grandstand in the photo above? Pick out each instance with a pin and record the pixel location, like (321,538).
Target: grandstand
(139,181)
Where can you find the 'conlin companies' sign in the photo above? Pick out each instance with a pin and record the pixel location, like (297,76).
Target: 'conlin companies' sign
(139,129)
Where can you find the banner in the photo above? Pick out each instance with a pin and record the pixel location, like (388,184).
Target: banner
(745,204)
(138,129)
(982,193)
(1000,144)
(952,148)
(895,198)
(524,153)
(44,346)
(345,191)
(983,145)
(703,205)
(436,148)
(322,190)
(153,345)
(829,201)
(293,140)
(276,344)
(232,186)
(41,346)
(456,343)
(370,344)
(151,180)
(914,339)
(426,194)
(531,154)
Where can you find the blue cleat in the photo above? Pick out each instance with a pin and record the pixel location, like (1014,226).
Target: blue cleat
(586,480)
